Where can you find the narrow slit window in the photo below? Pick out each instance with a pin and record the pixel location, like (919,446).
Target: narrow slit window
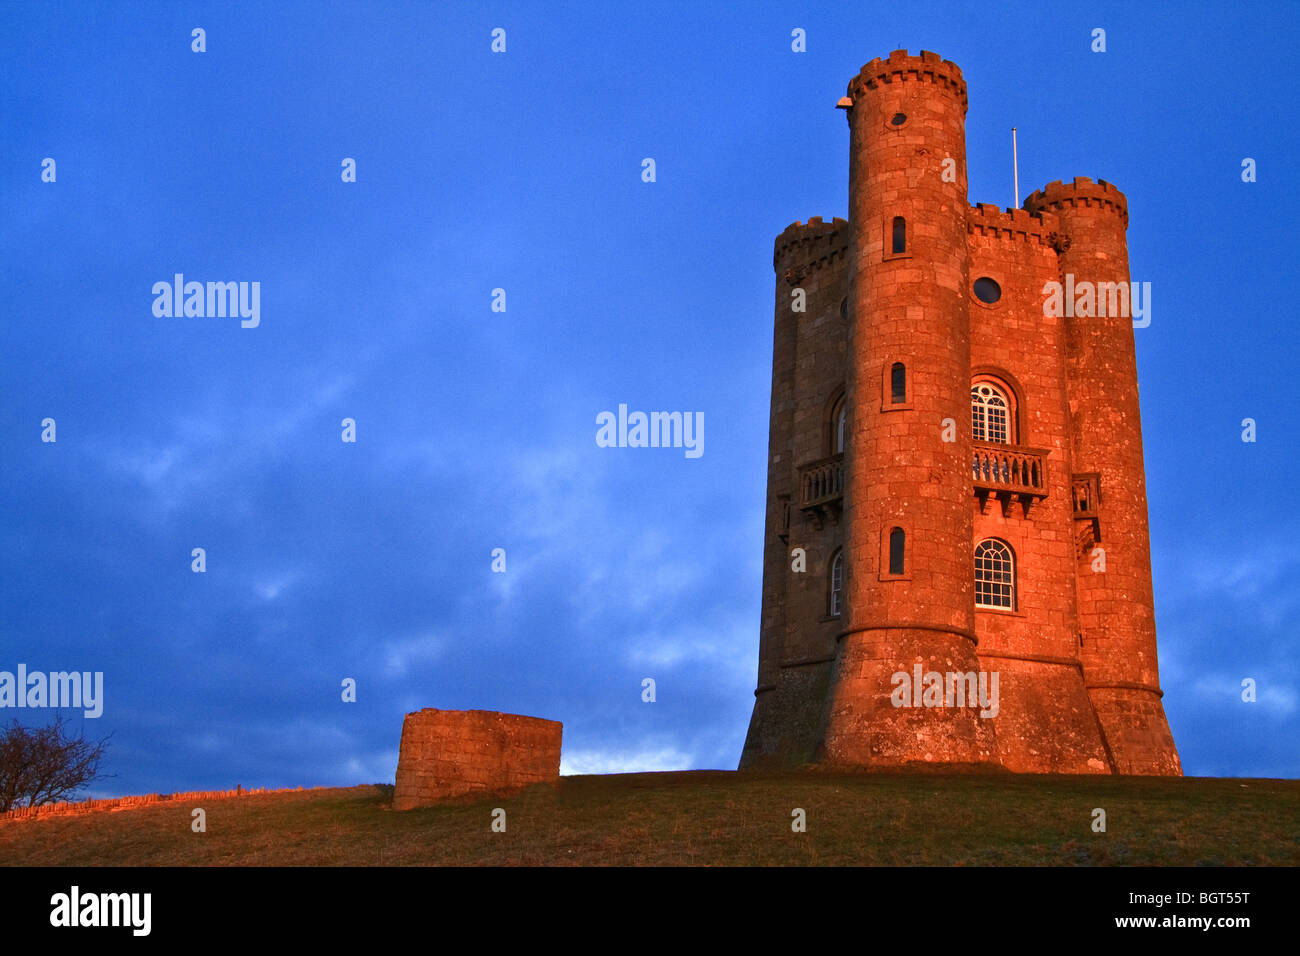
(897,383)
(900,235)
(896,547)
(837,584)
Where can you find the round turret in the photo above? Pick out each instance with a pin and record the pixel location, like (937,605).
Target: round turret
(1116,601)
(909,585)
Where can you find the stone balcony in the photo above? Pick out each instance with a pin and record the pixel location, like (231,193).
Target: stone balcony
(821,488)
(1009,474)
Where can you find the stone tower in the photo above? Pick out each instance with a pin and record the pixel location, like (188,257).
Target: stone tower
(956,493)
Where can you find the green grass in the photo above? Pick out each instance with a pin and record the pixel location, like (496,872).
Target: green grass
(709,817)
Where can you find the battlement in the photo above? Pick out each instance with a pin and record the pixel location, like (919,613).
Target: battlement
(883,325)
(902,67)
(810,244)
(986,219)
(1056,196)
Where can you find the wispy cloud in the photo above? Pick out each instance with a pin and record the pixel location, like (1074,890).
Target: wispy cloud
(401,654)
(632,759)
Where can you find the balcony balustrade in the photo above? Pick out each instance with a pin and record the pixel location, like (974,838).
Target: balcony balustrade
(1009,473)
(821,488)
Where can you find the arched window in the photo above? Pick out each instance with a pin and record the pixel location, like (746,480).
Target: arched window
(837,584)
(897,383)
(897,540)
(990,413)
(995,575)
(899,235)
(837,425)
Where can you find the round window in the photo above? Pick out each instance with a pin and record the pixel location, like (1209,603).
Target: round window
(987,291)
(898,120)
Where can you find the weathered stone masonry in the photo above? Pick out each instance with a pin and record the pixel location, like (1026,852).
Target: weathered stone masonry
(896,336)
(448,753)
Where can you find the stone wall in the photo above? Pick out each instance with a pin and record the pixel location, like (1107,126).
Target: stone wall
(798,633)
(1075,645)
(448,753)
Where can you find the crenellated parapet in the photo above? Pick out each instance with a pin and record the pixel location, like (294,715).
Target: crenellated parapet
(1018,225)
(805,247)
(963,555)
(901,67)
(1082,194)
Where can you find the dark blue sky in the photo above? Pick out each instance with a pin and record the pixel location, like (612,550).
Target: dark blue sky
(476,429)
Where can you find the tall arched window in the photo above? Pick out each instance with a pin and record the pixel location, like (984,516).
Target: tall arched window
(897,540)
(837,584)
(838,425)
(995,575)
(990,413)
(899,235)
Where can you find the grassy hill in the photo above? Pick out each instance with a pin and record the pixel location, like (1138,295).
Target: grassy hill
(708,817)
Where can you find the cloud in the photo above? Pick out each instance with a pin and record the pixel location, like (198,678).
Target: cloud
(1223,689)
(268,589)
(377,767)
(323,396)
(1264,571)
(207,447)
(624,760)
(721,650)
(401,654)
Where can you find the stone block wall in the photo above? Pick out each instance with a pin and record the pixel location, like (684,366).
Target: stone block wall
(448,753)
(1075,646)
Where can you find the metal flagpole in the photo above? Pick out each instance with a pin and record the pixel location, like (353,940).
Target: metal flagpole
(1015,166)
